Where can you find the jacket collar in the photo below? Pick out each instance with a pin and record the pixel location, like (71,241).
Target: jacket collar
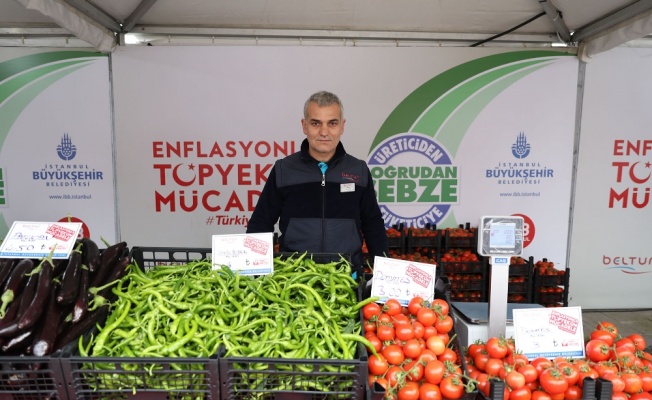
(339,152)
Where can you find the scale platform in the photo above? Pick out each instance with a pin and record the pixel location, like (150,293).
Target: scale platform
(471,320)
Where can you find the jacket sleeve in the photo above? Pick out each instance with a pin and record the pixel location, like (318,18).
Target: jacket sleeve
(268,208)
(373,225)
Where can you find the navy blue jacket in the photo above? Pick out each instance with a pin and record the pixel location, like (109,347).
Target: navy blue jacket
(330,218)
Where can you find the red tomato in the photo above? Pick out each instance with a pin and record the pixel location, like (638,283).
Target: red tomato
(522,393)
(573,392)
(409,391)
(541,364)
(448,355)
(597,350)
(385,332)
(414,370)
(444,324)
(552,380)
(404,332)
(412,349)
(619,396)
(529,373)
(375,342)
(475,348)
(440,306)
(392,307)
(429,391)
(514,379)
(426,317)
(419,330)
(452,387)
(639,341)
(496,348)
(371,310)
(415,304)
(436,345)
(392,375)
(633,382)
(641,396)
(571,373)
(608,326)
(540,395)
(377,365)
(646,381)
(603,335)
(394,354)
(494,366)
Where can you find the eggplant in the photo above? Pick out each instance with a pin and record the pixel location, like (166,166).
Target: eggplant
(81,302)
(19,342)
(90,254)
(35,308)
(109,257)
(74,331)
(9,326)
(67,292)
(43,341)
(6,265)
(117,273)
(14,281)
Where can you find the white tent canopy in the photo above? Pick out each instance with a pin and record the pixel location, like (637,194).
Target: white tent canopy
(592,26)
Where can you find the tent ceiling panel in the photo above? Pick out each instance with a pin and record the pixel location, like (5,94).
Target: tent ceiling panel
(465,17)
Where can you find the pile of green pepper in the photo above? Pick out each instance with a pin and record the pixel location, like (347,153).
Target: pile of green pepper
(303,310)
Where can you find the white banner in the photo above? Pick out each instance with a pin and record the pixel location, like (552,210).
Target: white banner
(450,134)
(56,159)
(611,264)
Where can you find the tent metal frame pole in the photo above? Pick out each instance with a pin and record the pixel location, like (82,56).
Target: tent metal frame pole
(556,19)
(618,17)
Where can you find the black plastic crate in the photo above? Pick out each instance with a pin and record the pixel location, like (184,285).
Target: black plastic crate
(463,267)
(90,378)
(148,257)
(467,285)
(31,378)
(279,378)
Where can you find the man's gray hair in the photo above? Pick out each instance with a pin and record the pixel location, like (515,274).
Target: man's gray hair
(323,99)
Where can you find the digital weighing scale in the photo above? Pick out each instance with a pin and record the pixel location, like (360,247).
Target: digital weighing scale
(499,238)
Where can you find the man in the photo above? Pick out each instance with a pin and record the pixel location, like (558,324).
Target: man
(322,197)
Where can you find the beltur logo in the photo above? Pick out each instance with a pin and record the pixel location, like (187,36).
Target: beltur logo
(413,170)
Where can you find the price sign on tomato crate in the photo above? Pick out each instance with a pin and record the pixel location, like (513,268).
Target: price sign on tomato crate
(402,280)
(39,239)
(249,254)
(549,332)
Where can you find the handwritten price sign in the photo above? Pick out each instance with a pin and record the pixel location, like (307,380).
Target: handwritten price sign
(38,239)
(250,254)
(549,332)
(402,280)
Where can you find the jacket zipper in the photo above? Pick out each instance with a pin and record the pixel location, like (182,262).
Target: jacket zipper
(323,208)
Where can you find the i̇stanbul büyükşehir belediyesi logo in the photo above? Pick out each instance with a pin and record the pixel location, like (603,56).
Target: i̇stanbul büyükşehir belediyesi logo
(415,180)
(519,172)
(66,150)
(66,174)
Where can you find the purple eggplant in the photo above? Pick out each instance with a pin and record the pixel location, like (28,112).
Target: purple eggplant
(14,281)
(67,292)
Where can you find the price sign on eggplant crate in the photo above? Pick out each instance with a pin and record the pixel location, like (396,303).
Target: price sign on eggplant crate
(549,332)
(39,239)
(402,280)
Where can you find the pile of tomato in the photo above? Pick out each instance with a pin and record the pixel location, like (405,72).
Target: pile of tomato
(413,356)
(621,360)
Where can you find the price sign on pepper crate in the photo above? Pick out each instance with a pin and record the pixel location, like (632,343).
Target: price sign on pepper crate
(402,280)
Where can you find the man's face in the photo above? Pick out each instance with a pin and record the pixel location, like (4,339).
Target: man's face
(323,127)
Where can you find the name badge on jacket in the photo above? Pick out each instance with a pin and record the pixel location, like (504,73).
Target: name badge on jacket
(347,187)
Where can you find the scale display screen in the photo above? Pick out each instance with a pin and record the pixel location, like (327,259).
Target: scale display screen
(500,236)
